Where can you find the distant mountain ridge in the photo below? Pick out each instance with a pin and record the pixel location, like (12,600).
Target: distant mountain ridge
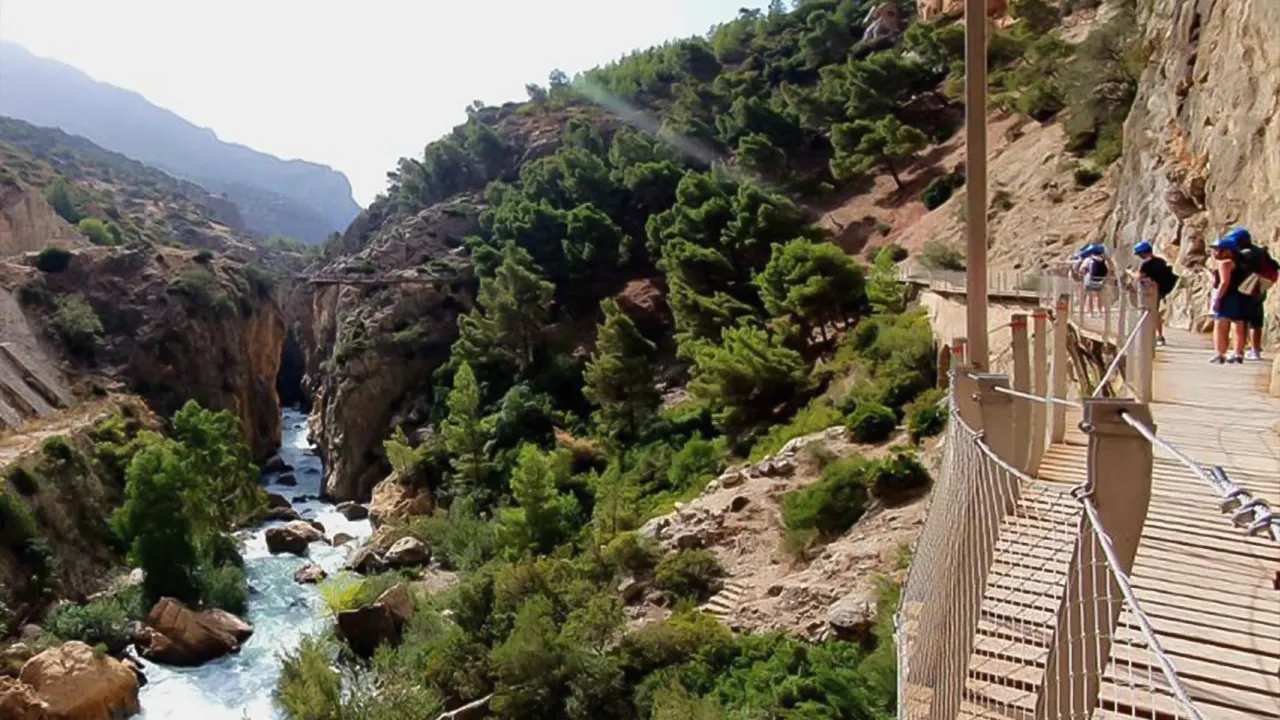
(296,198)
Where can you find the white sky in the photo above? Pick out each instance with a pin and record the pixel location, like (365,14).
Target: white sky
(354,84)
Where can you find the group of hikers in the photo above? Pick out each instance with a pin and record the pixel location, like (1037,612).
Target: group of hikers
(1242,274)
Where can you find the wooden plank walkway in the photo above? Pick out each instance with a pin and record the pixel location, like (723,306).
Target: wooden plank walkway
(1207,588)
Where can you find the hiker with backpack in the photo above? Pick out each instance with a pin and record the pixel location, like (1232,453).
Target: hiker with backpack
(1230,307)
(1264,273)
(1094,267)
(1156,270)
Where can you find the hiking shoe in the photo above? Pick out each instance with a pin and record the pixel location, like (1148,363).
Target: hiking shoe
(1160,340)
(1252,354)
(1217,360)
(1233,358)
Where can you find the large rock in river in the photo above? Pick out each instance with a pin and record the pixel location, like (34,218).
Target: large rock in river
(19,701)
(408,551)
(77,683)
(176,635)
(292,538)
(393,500)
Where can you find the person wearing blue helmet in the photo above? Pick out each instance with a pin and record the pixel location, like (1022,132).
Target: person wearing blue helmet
(1156,270)
(1094,268)
(1230,306)
(1263,274)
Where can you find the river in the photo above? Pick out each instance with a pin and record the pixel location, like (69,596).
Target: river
(240,686)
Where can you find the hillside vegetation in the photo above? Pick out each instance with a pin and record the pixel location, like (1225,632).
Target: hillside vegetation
(547,440)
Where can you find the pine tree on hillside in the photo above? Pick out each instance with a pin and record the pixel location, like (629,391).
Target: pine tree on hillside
(465,435)
(512,307)
(862,145)
(619,377)
(815,283)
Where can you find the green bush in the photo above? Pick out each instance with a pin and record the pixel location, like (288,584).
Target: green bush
(348,592)
(100,622)
(309,687)
(33,293)
(204,256)
(17,527)
(942,255)
(828,507)
(53,259)
(632,554)
(898,477)
(57,450)
(1086,175)
(818,415)
(224,587)
(24,481)
(940,189)
(690,574)
(77,324)
(926,415)
(872,423)
(895,252)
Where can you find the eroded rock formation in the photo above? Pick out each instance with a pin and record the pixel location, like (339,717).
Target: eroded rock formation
(1202,148)
(27,223)
(77,683)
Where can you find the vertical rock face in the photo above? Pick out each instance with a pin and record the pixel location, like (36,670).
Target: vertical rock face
(373,347)
(27,223)
(1202,147)
(176,329)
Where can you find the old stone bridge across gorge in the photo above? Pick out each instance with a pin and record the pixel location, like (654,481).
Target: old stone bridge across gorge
(1100,542)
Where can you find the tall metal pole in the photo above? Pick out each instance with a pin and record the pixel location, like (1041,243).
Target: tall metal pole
(975,110)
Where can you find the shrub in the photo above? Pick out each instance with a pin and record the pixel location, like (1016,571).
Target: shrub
(24,481)
(57,450)
(942,255)
(829,506)
(224,587)
(895,252)
(1086,175)
(348,592)
(100,622)
(632,554)
(33,293)
(309,686)
(77,324)
(926,415)
(818,415)
(898,477)
(692,574)
(17,527)
(200,286)
(940,189)
(204,257)
(872,423)
(53,259)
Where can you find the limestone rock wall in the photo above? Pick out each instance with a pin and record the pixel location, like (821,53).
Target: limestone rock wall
(27,223)
(1202,148)
(371,349)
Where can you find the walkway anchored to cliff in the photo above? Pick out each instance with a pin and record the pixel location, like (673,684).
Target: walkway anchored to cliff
(1111,552)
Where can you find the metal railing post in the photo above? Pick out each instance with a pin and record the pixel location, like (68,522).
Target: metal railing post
(1040,373)
(1021,383)
(1119,486)
(1058,387)
(975,186)
(1145,350)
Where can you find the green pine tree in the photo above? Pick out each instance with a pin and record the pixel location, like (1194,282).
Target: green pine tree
(814,283)
(863,145)
(619,376)
(512,307)
(465,436)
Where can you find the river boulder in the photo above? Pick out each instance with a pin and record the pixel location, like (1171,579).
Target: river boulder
(309,574)
(275,463)
(19,701)
(366,628)
(408,551)
(352,510)
(395,501)
(276,500)
(366,561)
(292,538)
(285,514)
(287,479)
(76,683)
(176,635)
(340,539)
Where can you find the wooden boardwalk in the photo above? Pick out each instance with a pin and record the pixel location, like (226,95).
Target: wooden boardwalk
(1208,588)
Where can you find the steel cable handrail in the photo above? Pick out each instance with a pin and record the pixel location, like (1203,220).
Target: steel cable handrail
(1124,350)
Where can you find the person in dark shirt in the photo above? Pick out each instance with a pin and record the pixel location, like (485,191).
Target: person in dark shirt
(1258,261)
(1156,270)
(1230,306)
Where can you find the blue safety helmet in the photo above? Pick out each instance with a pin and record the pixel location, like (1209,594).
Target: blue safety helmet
(1096,249)
(1142,248)
(1239,236)
(1230,241)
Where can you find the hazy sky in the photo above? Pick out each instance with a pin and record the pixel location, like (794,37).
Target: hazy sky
(352,84)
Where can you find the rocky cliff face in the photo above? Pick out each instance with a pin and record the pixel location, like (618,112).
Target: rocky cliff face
(930,9)
(372,346)
(1202,148)
(27,222)
(173,329)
